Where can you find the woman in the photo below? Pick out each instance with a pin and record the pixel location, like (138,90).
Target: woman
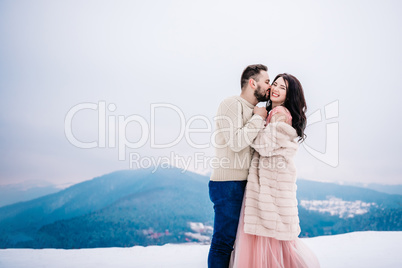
(268,229)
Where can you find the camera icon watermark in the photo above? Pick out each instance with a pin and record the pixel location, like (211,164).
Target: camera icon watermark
(331,154)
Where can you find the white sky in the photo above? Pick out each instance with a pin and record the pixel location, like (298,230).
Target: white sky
(55,55)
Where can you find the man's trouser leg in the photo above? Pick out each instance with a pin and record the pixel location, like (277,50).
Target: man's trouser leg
(227,197)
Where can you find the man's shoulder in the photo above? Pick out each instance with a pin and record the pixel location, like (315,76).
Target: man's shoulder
(229,105)
(229,101)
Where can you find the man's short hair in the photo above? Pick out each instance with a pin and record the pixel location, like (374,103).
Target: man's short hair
(251,71)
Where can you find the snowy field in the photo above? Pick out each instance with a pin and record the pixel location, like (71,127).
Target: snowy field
(358,249)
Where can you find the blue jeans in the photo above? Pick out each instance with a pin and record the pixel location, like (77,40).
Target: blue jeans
(227,197)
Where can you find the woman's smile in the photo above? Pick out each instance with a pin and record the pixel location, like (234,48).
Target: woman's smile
(275,95)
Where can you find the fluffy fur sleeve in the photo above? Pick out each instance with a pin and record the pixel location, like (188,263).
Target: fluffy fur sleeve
(275,138)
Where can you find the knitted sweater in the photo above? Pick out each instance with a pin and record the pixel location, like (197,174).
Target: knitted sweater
(270,198)
(235,129)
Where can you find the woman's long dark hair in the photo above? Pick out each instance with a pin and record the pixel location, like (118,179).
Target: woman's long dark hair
(295,103)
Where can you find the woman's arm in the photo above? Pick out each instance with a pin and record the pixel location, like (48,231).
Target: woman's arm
(274,138)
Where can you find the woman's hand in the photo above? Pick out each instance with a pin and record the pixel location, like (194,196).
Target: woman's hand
(279,117)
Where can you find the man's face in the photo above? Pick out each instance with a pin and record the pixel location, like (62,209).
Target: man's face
(263,87)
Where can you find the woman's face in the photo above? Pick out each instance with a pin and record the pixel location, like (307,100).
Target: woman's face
(278,91)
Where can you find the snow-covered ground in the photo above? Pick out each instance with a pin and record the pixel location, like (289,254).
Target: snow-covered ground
(358,249)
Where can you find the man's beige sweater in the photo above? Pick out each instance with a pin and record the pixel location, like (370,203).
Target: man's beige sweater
(235,129)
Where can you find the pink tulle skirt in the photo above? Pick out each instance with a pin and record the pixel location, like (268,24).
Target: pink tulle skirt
(262,252)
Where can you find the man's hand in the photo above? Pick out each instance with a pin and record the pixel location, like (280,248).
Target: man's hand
(261,111)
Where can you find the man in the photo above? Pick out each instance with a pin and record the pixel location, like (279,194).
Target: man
(238,122)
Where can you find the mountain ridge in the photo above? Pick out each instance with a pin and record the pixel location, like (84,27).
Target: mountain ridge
(138,207)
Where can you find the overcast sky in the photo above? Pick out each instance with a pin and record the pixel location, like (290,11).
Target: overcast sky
(130,55)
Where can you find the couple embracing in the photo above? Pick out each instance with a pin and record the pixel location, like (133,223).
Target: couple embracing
(254,194)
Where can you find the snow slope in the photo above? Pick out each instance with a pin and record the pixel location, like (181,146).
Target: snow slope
(358,249)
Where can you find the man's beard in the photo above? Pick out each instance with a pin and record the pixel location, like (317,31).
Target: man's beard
(261,96)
